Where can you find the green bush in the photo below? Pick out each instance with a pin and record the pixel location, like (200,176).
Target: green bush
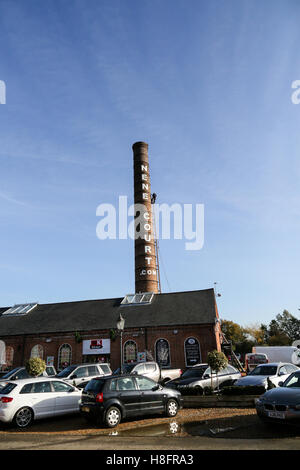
(35,366)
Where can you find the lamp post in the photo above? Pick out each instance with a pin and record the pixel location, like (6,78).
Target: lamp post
(120,327)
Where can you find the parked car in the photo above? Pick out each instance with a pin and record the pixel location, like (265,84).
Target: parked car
(281,404)
(254,359)
(112,399)
(274,371)
(196,378)
(25,400)
(21,373)
(80,374)
(151,370)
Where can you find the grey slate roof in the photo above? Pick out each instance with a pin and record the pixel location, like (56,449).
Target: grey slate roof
(179,308)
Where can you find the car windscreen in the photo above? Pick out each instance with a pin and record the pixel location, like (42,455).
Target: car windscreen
(8,387)
(293,381)
(264,370)
(67,371)
(10,373)
(94,386)
(193,373)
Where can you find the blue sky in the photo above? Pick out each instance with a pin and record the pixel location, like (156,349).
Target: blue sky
(208,85)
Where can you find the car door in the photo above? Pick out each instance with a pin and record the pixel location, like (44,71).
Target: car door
(42,399)
(128,395)
(80,375)
(152,395)
(281,375)
(66,398)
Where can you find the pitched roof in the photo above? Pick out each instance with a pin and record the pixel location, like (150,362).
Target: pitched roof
(179,308)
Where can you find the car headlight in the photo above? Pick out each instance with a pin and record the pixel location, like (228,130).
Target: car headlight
(258,401)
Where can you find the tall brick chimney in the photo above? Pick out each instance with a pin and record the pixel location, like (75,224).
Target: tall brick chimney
(146,275)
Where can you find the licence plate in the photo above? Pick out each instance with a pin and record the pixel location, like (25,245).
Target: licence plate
(276,414)
(85,409)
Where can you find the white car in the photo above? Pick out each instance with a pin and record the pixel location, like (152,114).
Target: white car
(24,400)
(274,371)
(21,373)
(80,374)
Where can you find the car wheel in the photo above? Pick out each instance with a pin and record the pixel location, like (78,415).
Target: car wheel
(172,408)
(112,417)
(199,390)
(23,417)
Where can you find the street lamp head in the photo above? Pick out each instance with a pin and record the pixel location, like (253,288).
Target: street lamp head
(121,323)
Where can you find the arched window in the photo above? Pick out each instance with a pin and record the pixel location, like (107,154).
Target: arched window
(37,351)
(162,352)
(64,356)
(2,353)
(9,356)
(130,351)
(192,351)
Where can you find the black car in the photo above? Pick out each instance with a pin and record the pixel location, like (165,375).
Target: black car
(113,398)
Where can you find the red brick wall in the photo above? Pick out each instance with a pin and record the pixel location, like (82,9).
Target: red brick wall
(144,338)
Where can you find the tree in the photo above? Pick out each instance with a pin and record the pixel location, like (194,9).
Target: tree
(232,331)
(216,361)
(35,366)
(283,330)
(256,332)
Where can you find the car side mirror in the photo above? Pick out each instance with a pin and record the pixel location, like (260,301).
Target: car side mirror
(74,376)
(206,376)
(280,384)
(156,387)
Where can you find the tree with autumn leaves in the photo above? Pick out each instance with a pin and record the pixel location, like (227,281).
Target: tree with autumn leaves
(281,331)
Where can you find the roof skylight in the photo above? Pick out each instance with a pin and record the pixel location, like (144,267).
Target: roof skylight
(20,309)
(138,299)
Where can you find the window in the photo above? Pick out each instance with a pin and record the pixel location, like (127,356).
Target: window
(144,383)
(37,351)
(20,309)
(126,384)
(162,352)
(26,389)
(150,367)
(9,356)
(64,356)
(140,369)
(231,370)
(61,387)
(140,299)
(290,368)
(105,369)
(292,381)
(130,351)
(113,385)
(7,388)
(81,372)
(283,371)
(92,370)
(41,387)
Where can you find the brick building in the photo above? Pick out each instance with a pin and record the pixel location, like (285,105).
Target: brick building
(175,329)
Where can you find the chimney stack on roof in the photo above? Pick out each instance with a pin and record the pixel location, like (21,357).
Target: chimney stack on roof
(146,275)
